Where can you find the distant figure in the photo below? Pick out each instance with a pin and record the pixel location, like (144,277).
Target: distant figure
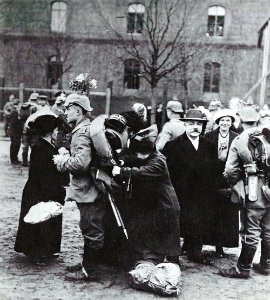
(42,100)
(174,127)
(136,118)
(235,105)
(63,136)
(214,106)
(7,110)
(15,133)
(28,139)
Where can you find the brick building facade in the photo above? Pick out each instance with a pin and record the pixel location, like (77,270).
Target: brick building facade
(42,39)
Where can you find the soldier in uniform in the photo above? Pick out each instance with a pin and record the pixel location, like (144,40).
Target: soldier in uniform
(15,132)
(63,134)
(174,127)
(42,100)
(82,188)
(248,165)
(7,110)
(28,138)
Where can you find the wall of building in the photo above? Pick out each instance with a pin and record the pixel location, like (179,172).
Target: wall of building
(94,50)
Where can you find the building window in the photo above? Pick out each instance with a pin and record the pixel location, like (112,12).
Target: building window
(58,16)
(135,18)
(211,77)
(132,74)
(216,17)
(54,70)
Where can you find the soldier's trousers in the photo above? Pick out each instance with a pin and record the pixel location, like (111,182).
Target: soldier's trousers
(91,225)
(14,147)
(255,225)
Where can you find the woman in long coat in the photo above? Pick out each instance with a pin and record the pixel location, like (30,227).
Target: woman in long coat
(225,222)
(152,211)
(40,241)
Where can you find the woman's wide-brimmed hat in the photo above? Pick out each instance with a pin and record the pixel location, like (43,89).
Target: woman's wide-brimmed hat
(224,113)
(194,115)
(43,120)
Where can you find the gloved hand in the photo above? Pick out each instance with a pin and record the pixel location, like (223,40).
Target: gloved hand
(116,170)
(59,160)
(63,151)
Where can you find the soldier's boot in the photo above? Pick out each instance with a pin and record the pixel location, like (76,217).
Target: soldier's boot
(85,271)
(242,270)
(263,267)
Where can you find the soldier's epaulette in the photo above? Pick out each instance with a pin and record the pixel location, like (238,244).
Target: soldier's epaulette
(84,130)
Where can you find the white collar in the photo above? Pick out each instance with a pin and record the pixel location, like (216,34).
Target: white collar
(195,142)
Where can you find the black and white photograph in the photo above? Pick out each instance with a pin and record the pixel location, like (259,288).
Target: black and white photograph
(135,149)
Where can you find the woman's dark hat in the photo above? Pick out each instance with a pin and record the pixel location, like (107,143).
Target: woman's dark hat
(194,115)
(144,140)
(44,121)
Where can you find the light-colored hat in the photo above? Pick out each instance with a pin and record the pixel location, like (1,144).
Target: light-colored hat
(249,114)
(224,113)
(140,110)
(61,98)
(214,104)
(80,100)
(175,106)
(34,96)
(43,97)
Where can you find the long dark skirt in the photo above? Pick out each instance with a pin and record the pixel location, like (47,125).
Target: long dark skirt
(224,224)
(37,240)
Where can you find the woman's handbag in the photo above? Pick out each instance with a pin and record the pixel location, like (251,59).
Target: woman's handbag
(43,211)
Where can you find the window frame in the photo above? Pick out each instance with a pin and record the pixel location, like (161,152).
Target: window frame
(135,18)
(57,27)
(132,74)
(54,67)
(211,79)
(218,17)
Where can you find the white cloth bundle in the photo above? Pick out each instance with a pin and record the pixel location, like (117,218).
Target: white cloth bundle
(43,211)
(163,279)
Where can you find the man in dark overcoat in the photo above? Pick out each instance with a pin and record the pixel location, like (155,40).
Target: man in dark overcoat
(191,163)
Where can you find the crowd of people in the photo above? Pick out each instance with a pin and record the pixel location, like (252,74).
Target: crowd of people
(189,181)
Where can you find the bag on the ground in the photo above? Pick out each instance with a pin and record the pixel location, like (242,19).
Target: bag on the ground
(141,274)
(43,211)
(163,279)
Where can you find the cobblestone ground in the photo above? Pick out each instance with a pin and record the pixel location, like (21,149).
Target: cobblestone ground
(21,280)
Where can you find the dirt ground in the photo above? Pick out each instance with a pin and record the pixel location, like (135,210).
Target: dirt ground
(21,280)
